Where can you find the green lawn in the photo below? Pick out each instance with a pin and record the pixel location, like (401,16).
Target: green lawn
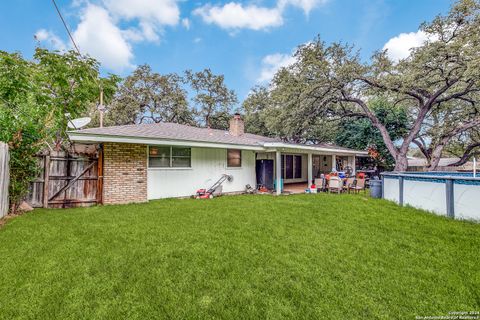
(256,257)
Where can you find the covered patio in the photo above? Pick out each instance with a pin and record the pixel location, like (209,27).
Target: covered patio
(295,167)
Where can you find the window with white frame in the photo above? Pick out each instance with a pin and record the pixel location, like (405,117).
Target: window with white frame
(234,158)
(169,157)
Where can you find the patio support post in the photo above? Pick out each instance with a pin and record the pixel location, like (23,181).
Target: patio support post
(278,172)
(334,163)
(354,165)
(310,170)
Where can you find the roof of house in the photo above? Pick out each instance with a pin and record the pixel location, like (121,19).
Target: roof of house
(180,132)
(443,162)
(168,130)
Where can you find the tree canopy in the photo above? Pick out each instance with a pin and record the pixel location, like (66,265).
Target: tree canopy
(213,99)
(146,97)
(35,97)
(437,85)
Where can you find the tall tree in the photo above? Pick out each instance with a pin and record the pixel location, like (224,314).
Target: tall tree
(254,107)
(360,134)
(442,71)
(212,97)
(149,97)
(34,98)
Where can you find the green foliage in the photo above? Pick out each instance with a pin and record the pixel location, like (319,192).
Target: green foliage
(439,84)
(213,100)
(254,107)
(239,257)
(360,134)
(146,96)
(34,97)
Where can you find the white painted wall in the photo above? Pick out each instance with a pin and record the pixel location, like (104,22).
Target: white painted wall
(208,164)
(430,196)
(467,201)
(390,189)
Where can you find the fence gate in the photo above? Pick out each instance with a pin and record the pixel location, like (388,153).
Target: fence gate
(4,179)
(68,180)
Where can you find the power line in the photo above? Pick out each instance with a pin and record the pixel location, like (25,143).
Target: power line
(66,27)
(100,108)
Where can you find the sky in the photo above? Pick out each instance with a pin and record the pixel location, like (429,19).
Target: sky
(247,41)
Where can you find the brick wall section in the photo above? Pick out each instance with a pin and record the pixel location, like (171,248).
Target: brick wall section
(125,173)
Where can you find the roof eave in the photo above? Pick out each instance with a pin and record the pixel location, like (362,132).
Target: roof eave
(281,145)
(100,138)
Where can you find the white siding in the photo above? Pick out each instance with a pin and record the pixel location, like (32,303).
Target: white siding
(208,164)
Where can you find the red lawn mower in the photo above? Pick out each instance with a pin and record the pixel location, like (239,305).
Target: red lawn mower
(210,193)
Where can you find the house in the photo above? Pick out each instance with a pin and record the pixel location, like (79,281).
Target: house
(161,160)
(445,164)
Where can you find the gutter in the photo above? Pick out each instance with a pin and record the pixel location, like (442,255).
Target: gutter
(281,145)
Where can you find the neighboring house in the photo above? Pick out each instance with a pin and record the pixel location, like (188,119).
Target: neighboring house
(420,164)
(161,160)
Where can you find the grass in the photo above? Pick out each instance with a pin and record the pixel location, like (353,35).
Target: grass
(239,257)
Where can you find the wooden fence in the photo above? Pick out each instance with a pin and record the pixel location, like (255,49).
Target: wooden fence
(68,180)
(4,179)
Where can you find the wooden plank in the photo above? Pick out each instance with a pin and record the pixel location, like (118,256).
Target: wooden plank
(68,185)
(46,176)
(100,176)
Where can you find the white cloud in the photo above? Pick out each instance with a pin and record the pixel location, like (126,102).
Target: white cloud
(99,33)
(305,5)
(197,40)
(51,38)
(272,63)
(236,16)
(151,15)
(162,12)
(186,23)
(99,36)
(399,47)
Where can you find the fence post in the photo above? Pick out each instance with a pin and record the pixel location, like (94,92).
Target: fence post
(400,190)
(46,178)
(4,179)
(383,186)
(449,191)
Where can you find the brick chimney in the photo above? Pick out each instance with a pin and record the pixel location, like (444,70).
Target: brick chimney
(237,127)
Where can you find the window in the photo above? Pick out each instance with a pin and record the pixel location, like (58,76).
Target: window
(167,157)
(234,158)
(181,157)
(291,166)
(288,167)
(298,167)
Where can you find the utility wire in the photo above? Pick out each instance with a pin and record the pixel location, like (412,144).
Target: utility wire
(78,50)
(66,27)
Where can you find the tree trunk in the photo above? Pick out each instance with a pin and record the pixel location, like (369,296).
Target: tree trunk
(401,162)
(436,156)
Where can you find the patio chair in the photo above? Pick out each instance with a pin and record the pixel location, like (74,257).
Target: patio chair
(320,183)
(358,186)
(350,182)
(335,184)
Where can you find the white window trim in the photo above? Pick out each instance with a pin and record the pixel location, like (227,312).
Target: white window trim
(171,159)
